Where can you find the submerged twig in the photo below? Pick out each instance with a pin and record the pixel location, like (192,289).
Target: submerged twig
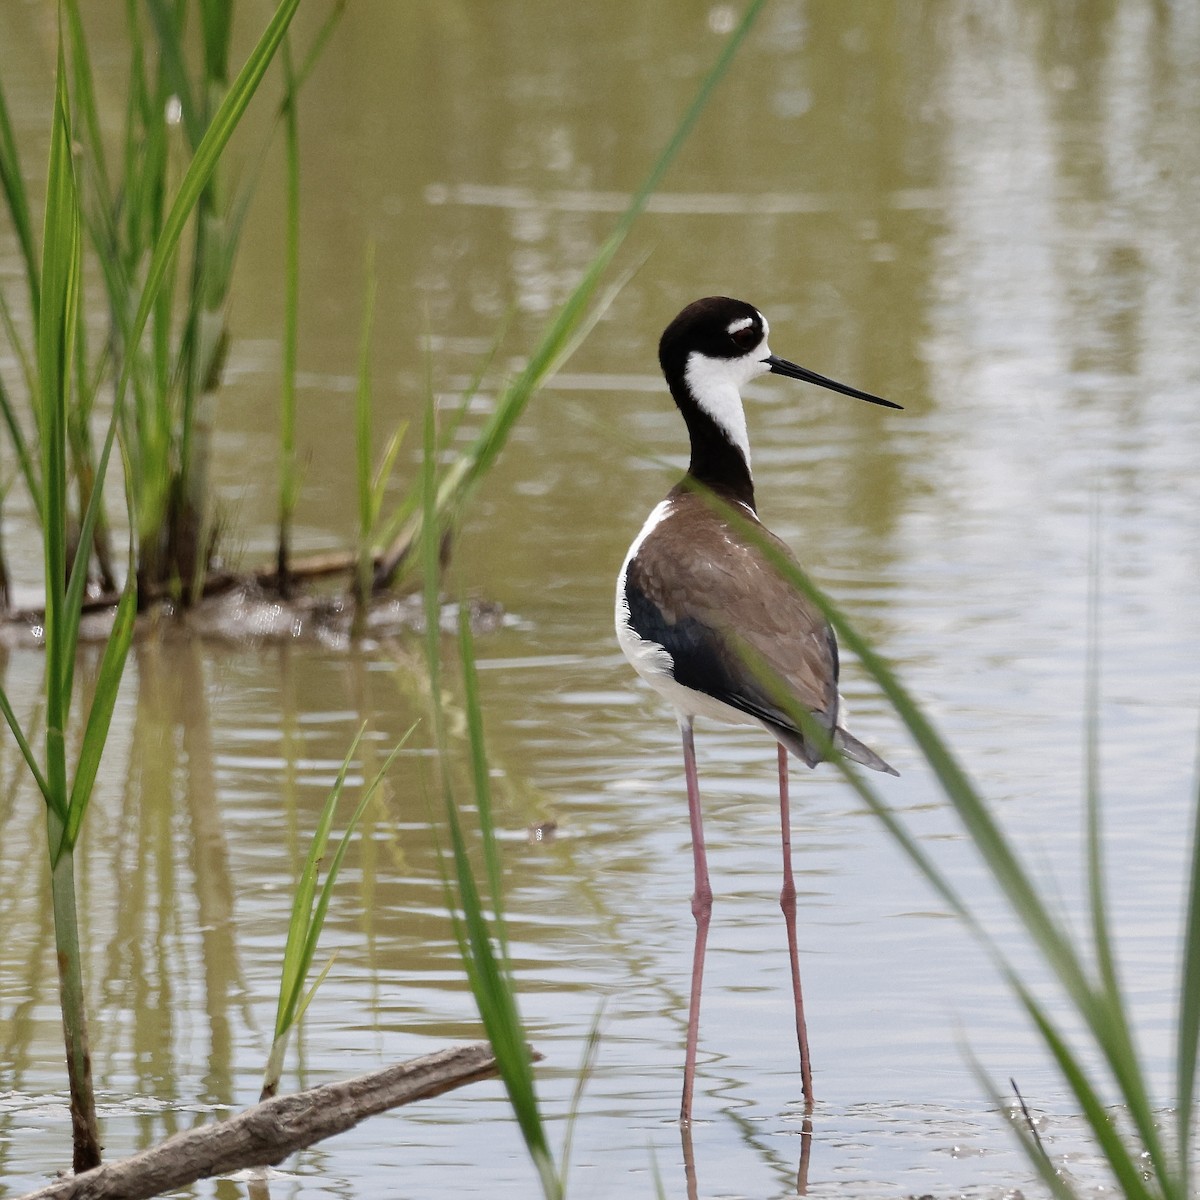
(1029,1121)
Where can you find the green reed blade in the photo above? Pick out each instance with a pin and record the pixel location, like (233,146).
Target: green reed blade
(383,475)
(289,486)
(321,38)
(99,719)
(1188,1033)
(216,24)
(403,524)
(430,547)
(1111,1000)
(587,1067)
(362,429)
(307,999)
(480,772)
(60,283)
(1121,1158)
(60,280)
(172,57)
(12,183)
(490,983)
(53,801)
(25,458)
(496,1000)
(1102,1011)
(294,965)
(331,873)
(308,918)
(576,320)
(1105,962)
(24,353)
(85,104)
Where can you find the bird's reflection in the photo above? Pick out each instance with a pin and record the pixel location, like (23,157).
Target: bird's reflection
(689,1158)
(806,1132)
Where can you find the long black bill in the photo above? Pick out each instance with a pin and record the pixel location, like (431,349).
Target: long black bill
(781,366)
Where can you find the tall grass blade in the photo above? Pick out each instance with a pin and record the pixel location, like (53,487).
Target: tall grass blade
(1101,937)
(294,965)
(60,277)
(85,1134)
(490,982)
(310,908)
(591,1051)
(317,47)
(335,866)
(1188,1034)
(430,548)
(403,526)
(95,733)
(60,353)
(85,103)
(13,184)
(481,773)
(54,802)
(25,457)
(496,1001)
(168,29)
(288,473)
(216,24)
(61,252)
(307,998)
(24,354)
(362,441)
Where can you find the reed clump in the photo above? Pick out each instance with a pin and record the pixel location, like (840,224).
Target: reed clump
(165,251)
(62,380)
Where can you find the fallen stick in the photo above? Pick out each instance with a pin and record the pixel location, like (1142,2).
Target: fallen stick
(267,1133)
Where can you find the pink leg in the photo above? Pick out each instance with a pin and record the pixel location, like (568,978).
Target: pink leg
(787,901)
(701,910)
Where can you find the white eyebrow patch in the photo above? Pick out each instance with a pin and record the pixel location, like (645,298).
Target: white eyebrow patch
(740,324)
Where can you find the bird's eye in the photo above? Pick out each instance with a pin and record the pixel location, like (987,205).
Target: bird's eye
(745,338)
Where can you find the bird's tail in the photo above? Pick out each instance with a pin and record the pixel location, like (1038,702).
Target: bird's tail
(851,747)
(843,740)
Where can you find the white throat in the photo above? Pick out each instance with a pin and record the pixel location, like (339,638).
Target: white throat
(716,384)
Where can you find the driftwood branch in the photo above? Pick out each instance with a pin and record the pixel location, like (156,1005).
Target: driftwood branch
(267,1133)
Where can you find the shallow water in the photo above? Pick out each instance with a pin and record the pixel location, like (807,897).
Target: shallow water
(987,215)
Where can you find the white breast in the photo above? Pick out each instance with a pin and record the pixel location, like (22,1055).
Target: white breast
(648,659)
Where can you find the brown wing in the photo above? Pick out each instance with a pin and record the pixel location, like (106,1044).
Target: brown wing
(716,604)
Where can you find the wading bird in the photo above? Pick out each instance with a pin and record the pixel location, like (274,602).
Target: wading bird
(707,620)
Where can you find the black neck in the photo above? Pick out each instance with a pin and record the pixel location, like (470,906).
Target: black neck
(717,463)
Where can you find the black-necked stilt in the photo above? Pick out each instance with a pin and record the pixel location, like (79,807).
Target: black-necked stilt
(693,591)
